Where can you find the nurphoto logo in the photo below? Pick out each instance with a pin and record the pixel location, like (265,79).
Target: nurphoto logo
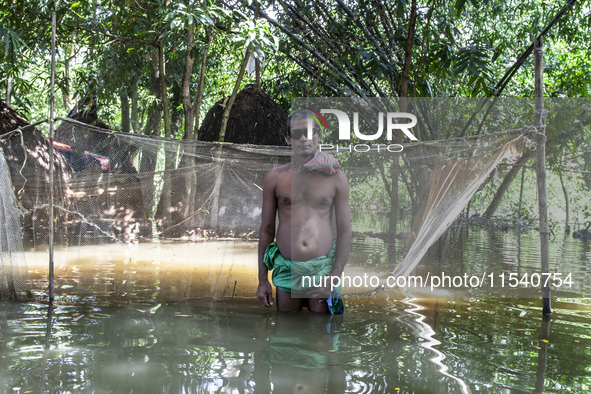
(393,122)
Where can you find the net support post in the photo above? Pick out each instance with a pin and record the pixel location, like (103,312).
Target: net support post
(51,164)
(541,172)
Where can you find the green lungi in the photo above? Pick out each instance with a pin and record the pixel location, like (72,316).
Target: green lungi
(287,274)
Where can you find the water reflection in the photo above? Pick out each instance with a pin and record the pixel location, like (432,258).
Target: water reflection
(425,331)
(301,353)
(474,250)
(542,354)
(380,345)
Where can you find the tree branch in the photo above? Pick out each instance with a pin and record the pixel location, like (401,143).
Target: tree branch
(321,58)
(504,81)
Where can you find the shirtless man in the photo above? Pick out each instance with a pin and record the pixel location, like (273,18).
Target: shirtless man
(304,200)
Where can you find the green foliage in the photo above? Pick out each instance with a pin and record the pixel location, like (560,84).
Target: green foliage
(580,204)
(318,48)
(369,190)
(460,48)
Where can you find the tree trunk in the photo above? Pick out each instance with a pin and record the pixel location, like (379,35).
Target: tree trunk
(521,192)
(186,85)
(192,195)
(148,158)
(8,95)
(125,118)
(199,93)
(182,201)
(541,171)
(154,120)
(257,62)
(135,123)
(164,90)
(395,169)
(230,103)
(163,212)
(496,201)
(66,84)
(408,50)
(566,203)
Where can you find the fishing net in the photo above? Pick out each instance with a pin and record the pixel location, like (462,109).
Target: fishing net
(435,179)
(452,184)
(13,281)
(147,218)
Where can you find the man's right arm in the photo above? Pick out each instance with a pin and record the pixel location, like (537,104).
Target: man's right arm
(266,236)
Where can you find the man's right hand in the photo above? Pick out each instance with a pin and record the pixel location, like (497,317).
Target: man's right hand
(265,293)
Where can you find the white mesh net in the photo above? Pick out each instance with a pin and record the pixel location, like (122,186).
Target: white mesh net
(131,211)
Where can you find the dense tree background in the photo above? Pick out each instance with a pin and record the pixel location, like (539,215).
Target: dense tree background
(156,66)
(110,49)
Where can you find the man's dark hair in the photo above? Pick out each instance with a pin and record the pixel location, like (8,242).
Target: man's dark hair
(303,113)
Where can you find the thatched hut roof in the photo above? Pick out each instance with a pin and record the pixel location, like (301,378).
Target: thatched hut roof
(29,142)
(10,119)
(254,119)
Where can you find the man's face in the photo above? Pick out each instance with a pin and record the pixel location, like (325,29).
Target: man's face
(298,138)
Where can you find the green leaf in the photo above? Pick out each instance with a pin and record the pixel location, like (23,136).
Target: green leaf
(400,10)
(460,7)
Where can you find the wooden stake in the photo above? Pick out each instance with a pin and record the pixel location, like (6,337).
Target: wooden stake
(541,170)
(51,116)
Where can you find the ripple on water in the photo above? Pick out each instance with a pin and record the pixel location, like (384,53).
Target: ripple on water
(415,345)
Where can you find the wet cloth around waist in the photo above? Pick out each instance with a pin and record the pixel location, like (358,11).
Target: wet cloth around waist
(287,274)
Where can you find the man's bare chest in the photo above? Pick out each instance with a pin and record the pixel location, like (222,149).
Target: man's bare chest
(317,191)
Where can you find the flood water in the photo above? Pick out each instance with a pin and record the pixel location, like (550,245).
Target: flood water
(159,272)
(227,342)
(379,345)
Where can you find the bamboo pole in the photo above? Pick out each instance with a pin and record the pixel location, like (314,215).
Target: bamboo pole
(257,62)
(541,171)
(51,115)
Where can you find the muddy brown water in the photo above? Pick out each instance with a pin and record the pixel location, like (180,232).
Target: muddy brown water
(227,342)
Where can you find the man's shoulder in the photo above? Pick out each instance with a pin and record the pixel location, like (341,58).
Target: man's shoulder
(278,172)
(284,167)
(339,177)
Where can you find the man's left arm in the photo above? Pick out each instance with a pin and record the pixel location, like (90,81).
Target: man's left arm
(343,221)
